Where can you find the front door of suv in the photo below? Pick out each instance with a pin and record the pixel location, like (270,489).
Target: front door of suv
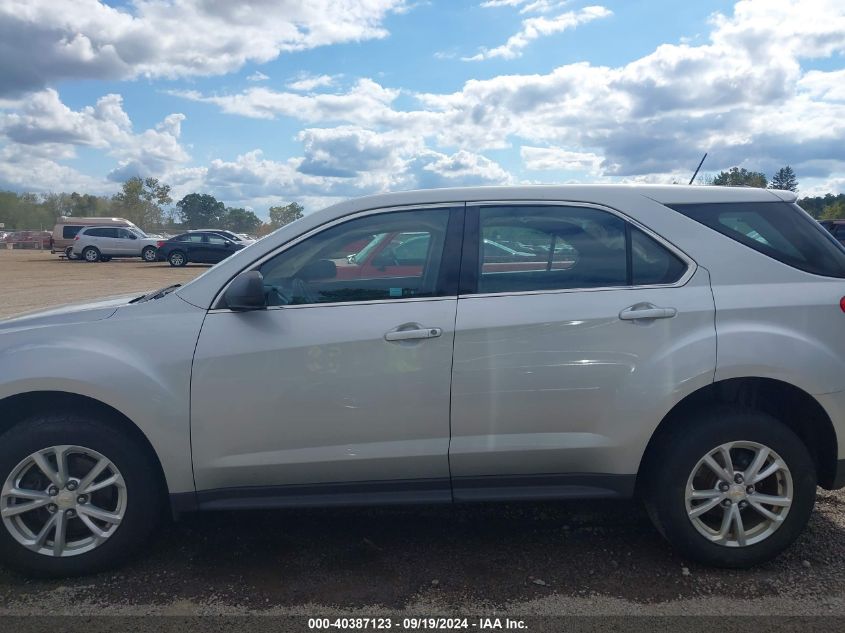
(575,334)
(341,386)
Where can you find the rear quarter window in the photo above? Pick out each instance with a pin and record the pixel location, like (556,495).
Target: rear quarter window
(779,230)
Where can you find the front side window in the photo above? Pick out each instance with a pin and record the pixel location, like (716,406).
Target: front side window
(216,240)
(395,255)
(779,230)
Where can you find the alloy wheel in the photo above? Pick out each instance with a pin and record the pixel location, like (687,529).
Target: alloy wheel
(739,494)
(63,500)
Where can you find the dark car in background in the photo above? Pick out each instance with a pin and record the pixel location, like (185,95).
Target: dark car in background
(202,247)
(836,228)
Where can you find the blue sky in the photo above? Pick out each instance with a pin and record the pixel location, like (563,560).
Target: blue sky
(264,101)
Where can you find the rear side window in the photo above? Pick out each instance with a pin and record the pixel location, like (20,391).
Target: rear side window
(536,248)
(651,262)
(777,229)
(69,232)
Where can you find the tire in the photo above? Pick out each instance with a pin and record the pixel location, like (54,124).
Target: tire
(90,254)
(69,253)
(177,259)
(149,254)
(141,502)
(676,466)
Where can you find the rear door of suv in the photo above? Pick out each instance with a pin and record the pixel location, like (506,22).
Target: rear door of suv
(568,354)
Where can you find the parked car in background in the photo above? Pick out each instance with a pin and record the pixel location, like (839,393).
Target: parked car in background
(273,381)
(229,235)
(201,247)
(836,228)
(101,243)
(67,227)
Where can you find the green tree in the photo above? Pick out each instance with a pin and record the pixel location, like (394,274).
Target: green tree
(818,206)
(201,211)
(241,221)
(835,211)
(87,206)
(785,179)
(739,177)
(141,201)
(279,216)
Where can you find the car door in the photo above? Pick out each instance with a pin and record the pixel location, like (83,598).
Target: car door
(564,367)
(340,388)
(126,243)
(215,248)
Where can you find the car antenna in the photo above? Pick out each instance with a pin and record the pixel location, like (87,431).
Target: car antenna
(697,168)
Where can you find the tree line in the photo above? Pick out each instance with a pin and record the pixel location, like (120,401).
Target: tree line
(827,207)
(145,202)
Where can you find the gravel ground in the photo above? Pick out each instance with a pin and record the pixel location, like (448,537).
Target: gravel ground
(31,280)
(587,558)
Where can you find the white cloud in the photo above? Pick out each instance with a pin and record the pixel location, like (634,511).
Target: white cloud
(559,159)
(42,41)
(536,27)
(47,130)
(365,100)
(257,76)
(307,83)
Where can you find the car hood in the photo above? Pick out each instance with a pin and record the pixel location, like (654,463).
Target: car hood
(71,313)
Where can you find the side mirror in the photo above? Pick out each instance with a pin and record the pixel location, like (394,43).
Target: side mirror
(246,292)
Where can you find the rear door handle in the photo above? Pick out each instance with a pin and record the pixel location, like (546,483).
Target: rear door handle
(413,334)
(647,311)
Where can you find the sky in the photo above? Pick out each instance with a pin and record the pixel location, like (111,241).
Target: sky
(264,102)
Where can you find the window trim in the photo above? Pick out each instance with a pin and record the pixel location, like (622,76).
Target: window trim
(450,261)
(469,258)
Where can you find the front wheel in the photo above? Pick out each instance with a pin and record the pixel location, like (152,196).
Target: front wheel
(731,487)
(149,254)
(77,496)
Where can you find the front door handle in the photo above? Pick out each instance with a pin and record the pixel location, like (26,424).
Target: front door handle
(413,334)
(646,311)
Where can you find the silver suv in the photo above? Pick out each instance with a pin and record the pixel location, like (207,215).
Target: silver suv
(680,344)
(101,243)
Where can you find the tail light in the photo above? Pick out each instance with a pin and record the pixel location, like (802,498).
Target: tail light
(76,238)
(842,304)
(161,243)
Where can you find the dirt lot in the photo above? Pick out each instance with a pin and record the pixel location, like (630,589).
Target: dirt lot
(545,559)
(30,280)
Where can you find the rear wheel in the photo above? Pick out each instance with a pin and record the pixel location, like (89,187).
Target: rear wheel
(149,254)
(90,254)
(177,258)
(731,487)
(77,496)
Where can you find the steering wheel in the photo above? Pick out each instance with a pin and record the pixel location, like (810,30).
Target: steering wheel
(290,291)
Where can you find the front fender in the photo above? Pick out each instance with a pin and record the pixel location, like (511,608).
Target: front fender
(137,362)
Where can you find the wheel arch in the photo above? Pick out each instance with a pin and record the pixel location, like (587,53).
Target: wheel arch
(793,406)
(16,408)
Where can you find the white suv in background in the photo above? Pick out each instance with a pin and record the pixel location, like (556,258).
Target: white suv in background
(101,243)
(685,345)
